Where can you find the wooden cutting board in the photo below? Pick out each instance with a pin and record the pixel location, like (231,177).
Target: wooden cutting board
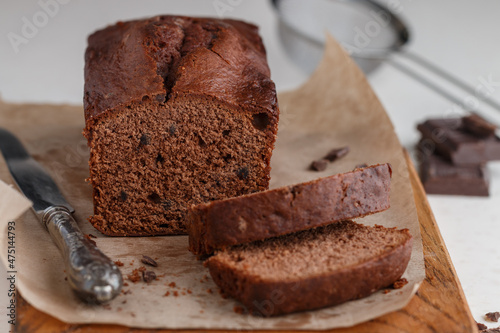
(439,305)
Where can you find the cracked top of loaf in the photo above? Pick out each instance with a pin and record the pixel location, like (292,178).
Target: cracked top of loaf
(162,56)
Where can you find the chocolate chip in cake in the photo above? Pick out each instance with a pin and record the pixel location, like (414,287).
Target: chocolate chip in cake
(123,195)
(260,121)
(319,165)
(492,316)
(243,173)
(148,276)
(172,129)
(201,142)
(144,140)
(167,204)
(154,197)
(337,153)
(159,158)
(149,261)
(225,132)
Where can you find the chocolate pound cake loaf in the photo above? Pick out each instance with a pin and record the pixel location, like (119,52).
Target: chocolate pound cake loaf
(271,213)
(313,268)
(179,111)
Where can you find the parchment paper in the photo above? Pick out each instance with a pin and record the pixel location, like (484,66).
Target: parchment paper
(335,108)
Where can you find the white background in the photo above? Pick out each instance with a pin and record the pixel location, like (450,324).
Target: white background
(460,36)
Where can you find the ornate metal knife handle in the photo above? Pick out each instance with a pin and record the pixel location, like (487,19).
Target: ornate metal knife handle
(91,274)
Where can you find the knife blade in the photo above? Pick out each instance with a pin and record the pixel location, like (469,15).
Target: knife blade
(92,276)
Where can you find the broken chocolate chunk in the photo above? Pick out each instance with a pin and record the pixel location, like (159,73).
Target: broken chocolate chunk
(481,327)
(148,276)
(242,173)
(337,153)
(478,126)
(439,176)
(144,140)
(492,316)
(123,195)
(451,141)
(149,261)
(319,165)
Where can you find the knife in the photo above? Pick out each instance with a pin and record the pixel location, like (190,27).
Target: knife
(92,276)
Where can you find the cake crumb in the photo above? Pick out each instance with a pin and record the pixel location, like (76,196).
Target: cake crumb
(124,301)
(176,293)
(167,293)
(183,293)
(400,283)
(189,291)
(386,291)
(209,291)
(125,284)
(172,284)
(92,236)
(119,263)
(134,276)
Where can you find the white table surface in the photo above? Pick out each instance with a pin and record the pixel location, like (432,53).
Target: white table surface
(458,35)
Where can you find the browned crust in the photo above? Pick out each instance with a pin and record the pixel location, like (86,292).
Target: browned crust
(271,298)
(257,216)
(163,56)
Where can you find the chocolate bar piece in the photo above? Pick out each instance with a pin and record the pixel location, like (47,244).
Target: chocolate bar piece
(478,126)
(439,176)
(457,145)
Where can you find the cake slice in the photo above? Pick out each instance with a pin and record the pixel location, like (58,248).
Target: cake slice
(271,213)
(178,111)
(312,269)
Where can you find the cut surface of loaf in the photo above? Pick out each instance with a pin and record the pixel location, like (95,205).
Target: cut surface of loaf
(312,269)
(271,213)
(178,111)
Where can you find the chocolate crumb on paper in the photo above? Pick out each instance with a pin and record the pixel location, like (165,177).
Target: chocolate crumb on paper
(148,276)
(481,326)
(492,316)
(337,153)
(319,165)
(149,261)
